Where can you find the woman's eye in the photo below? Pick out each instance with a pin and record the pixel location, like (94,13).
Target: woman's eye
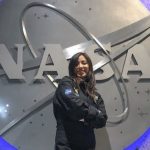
(84,63)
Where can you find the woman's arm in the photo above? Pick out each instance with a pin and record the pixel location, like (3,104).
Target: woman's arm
(101,119)
(74,107)
(101,105)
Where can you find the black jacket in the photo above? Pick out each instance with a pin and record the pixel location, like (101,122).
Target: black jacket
(76,115)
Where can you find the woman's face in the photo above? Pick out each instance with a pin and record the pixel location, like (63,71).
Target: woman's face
(82,67)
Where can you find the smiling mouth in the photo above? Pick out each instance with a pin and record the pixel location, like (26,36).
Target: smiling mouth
(81,71)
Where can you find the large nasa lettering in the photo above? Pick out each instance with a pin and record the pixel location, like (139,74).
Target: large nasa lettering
(136,61)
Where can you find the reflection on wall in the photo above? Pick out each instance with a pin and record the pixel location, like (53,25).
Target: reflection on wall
(4,110)
(5,145)
(146,3)
(142,143)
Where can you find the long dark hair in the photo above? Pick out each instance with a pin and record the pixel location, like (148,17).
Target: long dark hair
(89,81)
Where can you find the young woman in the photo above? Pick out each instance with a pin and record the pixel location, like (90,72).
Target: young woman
(78,108)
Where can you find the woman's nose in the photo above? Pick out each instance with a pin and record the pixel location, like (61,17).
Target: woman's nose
(80,65)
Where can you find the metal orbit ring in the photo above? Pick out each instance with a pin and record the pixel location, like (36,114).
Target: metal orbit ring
(119,118)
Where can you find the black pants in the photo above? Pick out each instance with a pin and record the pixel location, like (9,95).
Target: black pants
(84,149)
(78,148)
(63,147)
